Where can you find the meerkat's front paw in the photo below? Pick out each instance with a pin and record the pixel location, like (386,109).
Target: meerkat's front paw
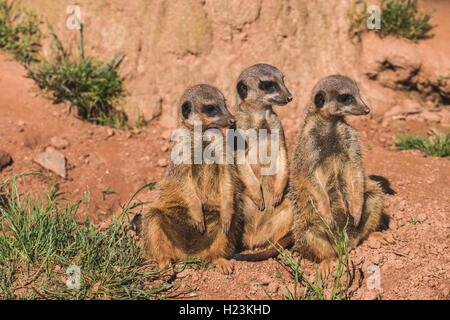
(200,225)
(226,225)
(277,199)
(258,200)
(225,266)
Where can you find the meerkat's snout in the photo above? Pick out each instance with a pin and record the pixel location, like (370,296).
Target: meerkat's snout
(360,108)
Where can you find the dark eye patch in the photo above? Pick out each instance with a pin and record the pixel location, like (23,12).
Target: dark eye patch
(210,109)
(268,86)
(345,98)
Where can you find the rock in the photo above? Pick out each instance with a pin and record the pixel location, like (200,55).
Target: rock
(109,132)
(5,159)
(162,163)
(265,280)
(431,116)
(52,160)
(273,287)
(59,143)
(166,134)
(165,148)
(398,264)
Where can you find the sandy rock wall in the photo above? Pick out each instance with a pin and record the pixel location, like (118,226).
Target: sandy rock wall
(170,45)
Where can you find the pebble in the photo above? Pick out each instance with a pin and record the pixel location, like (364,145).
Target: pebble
(162,163)
(5,159)
(59,143)
(52,160)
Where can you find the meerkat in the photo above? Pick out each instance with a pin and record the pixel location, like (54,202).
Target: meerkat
(266,211)
(194,216)
(327,174)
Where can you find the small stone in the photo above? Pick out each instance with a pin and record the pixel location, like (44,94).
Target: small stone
(5,159)
(52,160)
(273,287)
(59,143)
(20,123)
(162,163)
(265,280)
(166,134)
(109,132)
(446,291)
(398,264)
(96,286)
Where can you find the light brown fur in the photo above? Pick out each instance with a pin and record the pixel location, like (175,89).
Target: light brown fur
(327,168)
(194,216)
(267,212)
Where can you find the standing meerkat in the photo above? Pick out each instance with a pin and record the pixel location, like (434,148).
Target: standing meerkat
(327,167)
(267,213)
(194,214)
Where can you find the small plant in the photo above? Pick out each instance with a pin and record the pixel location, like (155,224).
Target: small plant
(92,86)
(19,32)
(41,240)
(315,289)
(400,18)
(140,122)
(437,145)
(106,191)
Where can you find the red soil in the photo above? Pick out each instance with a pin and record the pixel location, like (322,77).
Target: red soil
(415,267)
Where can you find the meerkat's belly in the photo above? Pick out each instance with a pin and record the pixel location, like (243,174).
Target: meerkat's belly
(332,177)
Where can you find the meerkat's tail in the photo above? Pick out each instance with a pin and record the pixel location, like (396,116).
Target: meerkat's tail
(271,252)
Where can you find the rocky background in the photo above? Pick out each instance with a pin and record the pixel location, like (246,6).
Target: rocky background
(170,45)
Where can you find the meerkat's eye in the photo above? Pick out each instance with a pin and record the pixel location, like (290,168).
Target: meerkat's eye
(210,110)
(268,86)
(345,98)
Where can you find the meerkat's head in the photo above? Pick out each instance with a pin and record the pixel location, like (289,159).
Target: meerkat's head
(337,96)
(205,104)
(263,84)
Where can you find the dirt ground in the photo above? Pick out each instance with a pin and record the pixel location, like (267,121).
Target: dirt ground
(416,205)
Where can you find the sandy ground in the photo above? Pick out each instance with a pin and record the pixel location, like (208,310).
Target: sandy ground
(98,158)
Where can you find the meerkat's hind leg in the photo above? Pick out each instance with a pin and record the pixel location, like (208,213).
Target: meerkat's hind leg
(325,267)
(163,263)
(225,266)
(372,209)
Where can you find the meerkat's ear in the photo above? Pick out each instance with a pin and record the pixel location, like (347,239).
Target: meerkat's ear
(242,89)
(319,99)
(186,109)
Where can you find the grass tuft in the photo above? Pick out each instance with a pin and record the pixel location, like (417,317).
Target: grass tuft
(437,145)
(19,32)
(41,240)
(334,287)
(92,86)
(400,18)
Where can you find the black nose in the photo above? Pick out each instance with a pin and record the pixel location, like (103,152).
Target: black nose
(231,121)
(289,99)
(366,110)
